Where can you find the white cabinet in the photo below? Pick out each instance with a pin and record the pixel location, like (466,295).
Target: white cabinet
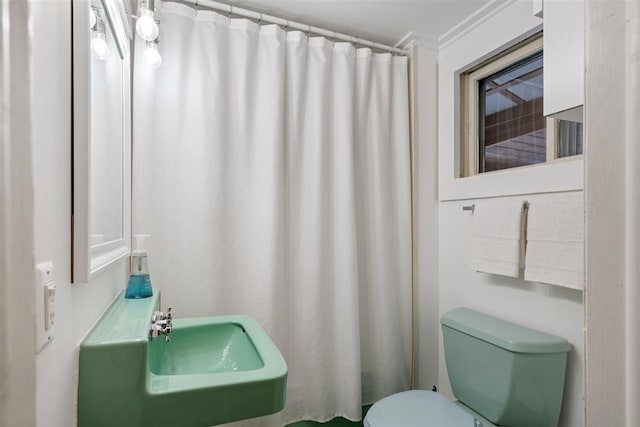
(563,26)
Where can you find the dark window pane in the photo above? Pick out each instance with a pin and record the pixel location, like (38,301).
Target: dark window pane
(512,127)
(569,138)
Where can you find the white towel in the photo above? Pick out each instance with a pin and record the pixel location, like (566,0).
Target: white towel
(555,241)
(498,236)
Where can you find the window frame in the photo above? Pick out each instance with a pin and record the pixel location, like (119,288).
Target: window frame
(469,109)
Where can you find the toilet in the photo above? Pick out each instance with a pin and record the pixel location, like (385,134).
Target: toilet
(502,374)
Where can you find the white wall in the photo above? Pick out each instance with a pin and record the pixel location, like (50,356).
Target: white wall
(554,310)
(424,74)
(613,234)
(17,364)
(77,306)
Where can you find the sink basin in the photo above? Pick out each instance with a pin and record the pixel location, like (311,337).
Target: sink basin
(213,371)
(204,347)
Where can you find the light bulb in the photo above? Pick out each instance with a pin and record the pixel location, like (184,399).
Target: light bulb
(151,56)
(146,26)
(92,18)
(99,46)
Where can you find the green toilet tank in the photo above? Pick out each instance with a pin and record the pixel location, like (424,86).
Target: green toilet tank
(511,375)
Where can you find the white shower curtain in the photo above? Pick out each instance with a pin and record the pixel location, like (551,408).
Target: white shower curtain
(272,171)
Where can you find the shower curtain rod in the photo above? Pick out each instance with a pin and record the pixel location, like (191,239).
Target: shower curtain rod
(262,17)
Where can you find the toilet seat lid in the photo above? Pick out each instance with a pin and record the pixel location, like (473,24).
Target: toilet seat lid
(417,408)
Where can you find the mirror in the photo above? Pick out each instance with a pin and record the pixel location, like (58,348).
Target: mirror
(101,136)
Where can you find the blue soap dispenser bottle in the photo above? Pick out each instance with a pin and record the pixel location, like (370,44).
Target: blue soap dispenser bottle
(139,285)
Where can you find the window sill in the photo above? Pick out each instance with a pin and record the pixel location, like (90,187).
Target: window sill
(557,176)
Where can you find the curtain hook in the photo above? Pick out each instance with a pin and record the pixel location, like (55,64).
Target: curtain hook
(334,37)
(286,27)
(308,30)
(196,6)
(260,20)
(230,11)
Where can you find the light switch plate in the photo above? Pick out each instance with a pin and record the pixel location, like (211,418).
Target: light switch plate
(45,304)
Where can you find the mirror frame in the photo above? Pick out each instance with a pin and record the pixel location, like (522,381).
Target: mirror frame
(88,260)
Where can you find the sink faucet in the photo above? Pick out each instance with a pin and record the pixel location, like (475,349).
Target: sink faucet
(160,324)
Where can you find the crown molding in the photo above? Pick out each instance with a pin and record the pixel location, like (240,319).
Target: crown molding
(414,38)
(474,20)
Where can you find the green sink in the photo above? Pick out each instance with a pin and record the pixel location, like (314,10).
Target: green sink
(214,370)
(205,346)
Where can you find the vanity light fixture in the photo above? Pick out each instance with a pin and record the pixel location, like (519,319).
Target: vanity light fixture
(99,44)
(146,27)
(151,55)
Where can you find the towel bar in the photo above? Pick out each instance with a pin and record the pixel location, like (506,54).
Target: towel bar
(473,207)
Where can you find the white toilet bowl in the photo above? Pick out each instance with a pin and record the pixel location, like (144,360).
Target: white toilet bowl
(420,408)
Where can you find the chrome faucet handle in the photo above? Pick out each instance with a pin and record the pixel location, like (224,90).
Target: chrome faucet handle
(167,328)
(160,324)
(155,330)
(156,316)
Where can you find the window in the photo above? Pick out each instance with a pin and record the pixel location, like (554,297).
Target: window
(503,125)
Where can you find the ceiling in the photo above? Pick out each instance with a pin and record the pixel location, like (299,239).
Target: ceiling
(381,21)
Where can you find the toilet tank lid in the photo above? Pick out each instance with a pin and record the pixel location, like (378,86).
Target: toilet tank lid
(501,333)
